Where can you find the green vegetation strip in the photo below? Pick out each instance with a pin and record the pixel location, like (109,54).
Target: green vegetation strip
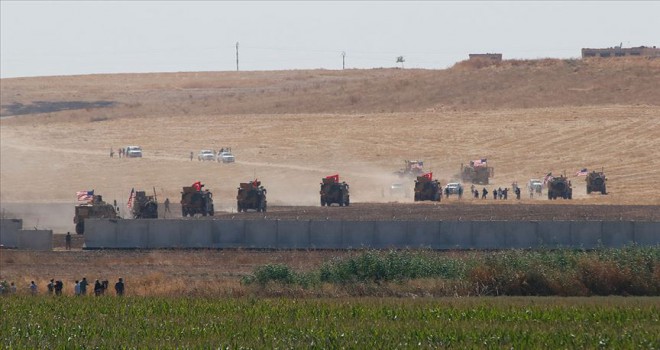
(628,271)
(137,322)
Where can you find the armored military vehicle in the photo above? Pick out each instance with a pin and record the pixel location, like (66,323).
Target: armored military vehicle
(333,191)
(559,187)
(411,169)
(94,209)
(144,207)
(194,201)
(251,196)
(427,189)
(477,172)
(596,182)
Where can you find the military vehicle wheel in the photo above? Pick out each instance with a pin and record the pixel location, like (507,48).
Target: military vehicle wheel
(80,227)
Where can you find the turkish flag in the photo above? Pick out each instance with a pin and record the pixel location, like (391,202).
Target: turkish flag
(334,177)
(428,176)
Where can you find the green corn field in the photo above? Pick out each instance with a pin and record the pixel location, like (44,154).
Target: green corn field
(105,322)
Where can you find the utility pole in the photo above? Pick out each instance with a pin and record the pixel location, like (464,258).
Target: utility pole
(343,60)
(237,56)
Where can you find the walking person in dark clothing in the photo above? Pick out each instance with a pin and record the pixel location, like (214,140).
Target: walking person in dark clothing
(98,288)
(518,193)
(58,287)
(505,193)
(495,193)
(68,241)
(119,287)
(83,286)
(51,287)
(484,193)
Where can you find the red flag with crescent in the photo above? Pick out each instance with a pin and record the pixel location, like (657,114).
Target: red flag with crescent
(334,177)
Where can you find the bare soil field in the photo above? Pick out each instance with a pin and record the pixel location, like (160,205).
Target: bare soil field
(289,129)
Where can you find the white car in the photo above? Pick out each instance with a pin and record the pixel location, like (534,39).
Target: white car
(535,185)
(206,154)
(226,157)
(134,152)
(453,188)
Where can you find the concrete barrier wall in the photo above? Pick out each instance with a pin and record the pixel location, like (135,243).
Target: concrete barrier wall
(290,234)
(9,232)
(35,239)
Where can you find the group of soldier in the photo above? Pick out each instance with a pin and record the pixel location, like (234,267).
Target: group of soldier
(55,287)
(498,193)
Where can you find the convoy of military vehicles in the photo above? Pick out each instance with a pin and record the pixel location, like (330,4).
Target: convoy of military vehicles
(252,195)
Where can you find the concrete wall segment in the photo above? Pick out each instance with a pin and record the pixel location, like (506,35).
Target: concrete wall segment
(9,232)
(35,240)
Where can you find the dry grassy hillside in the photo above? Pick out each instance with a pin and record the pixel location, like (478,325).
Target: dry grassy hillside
(528,118)
(466,86)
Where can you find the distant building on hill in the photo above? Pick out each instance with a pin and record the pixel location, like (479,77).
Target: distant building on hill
(618,51)
(495,57)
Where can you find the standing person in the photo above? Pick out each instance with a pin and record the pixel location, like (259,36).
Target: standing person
(58,287)
(484,193)
(98,288)
(76,289)
(460,192)
(51,286)
(167,205)
(83,286)
(191,156)
(494,193)
(119,287)
(518,193)
(505,193)
(12,288)
(68,240)
(33,288)
(112,152)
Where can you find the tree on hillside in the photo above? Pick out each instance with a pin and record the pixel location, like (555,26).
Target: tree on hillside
(400,59)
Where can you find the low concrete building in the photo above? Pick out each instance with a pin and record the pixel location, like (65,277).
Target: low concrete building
(618,51)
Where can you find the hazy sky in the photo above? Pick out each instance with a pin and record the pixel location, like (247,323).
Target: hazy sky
(64,38)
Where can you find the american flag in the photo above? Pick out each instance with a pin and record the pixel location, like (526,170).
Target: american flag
(85,196)
(131,197)
(582,172)
(547,178)
(479,162)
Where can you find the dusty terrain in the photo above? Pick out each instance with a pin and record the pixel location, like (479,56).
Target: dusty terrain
(289,129)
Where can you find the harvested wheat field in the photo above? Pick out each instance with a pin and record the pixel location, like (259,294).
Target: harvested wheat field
(290,128)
